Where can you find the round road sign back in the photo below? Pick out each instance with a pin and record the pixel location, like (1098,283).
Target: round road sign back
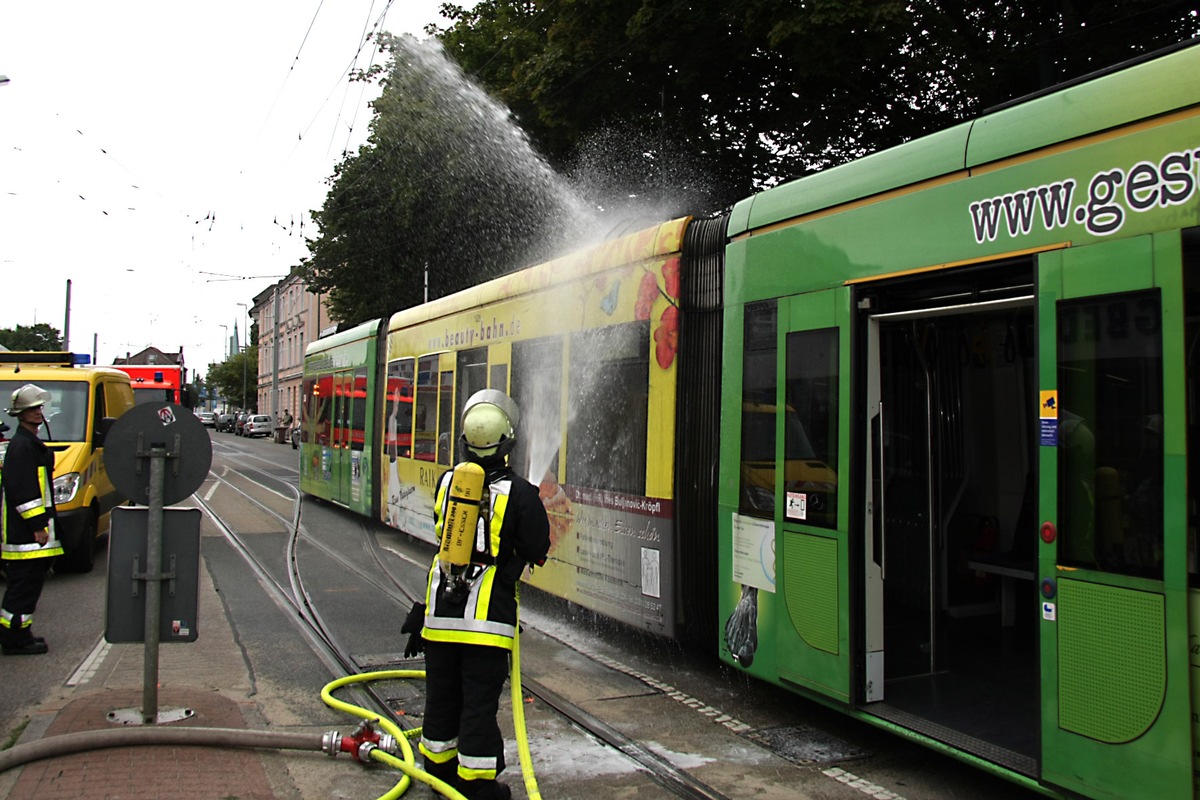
(157,425)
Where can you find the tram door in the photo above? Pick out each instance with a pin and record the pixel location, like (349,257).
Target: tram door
(948,465)
(950,506)
(796,400)
(1113,552)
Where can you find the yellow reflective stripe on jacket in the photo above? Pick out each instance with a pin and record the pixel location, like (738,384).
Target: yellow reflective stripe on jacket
(17,552)
(32,512)
(36,507)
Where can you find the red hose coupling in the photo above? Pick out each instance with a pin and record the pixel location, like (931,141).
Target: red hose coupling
(360,744)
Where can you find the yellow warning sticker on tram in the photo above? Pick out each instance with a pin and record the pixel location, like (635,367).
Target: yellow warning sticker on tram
(1049,405)
(1048,418)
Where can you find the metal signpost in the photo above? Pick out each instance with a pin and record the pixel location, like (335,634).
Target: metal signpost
(166,541)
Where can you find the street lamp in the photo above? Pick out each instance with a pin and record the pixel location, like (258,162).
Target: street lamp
(246,336)
(224,340)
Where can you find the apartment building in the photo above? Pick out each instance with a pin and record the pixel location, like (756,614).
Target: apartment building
(288,319)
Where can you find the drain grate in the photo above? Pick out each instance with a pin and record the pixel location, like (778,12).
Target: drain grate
(803,745)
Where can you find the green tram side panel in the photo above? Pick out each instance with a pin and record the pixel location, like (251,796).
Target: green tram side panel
(1112,654)
(811,589)
(809,637)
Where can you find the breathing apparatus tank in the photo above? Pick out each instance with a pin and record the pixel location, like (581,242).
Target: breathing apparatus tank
(460,527)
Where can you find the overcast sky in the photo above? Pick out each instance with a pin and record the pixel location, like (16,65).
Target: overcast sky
(161,155)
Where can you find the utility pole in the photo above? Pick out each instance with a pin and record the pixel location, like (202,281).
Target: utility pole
(67,320)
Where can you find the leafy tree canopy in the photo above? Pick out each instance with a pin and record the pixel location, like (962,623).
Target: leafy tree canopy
(762,91)
(40,337)
(236,379)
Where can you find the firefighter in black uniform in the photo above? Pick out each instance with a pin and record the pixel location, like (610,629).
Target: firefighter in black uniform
(468,623)
(27,515)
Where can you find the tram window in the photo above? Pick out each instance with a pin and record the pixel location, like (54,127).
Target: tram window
(425,428)
(446,418)
(308,408)
(810,433)
(537,390)
(323,403)
(358,409)
(1110,446)
(472,375)
(399,408)
(499,378)
(759,383)
(608,392)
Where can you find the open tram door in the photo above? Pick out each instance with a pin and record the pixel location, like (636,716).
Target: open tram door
(1113,566)
(947,540)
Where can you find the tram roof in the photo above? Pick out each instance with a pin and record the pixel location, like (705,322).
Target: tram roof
(656,241)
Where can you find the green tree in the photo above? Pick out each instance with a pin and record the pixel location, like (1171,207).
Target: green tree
(236,379)
(40,337)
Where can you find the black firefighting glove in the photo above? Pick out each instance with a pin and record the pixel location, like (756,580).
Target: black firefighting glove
(413,624)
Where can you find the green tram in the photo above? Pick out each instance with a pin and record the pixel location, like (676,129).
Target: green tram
(339,420)
(909,437)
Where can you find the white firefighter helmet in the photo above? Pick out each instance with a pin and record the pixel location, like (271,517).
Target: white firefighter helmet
(489,423)
(27,397)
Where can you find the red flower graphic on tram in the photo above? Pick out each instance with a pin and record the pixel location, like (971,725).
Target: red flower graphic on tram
(670,273)
(666,338)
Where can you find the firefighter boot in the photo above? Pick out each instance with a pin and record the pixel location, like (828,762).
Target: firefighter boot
(18,641)
(447,772)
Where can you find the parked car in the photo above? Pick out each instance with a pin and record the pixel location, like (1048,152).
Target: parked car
(208,418)
(225,422)
(259,425)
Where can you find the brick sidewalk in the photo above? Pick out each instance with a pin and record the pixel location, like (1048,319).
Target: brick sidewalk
(124,773)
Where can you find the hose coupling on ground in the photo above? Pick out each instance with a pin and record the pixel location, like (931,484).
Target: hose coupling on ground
(360,743)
